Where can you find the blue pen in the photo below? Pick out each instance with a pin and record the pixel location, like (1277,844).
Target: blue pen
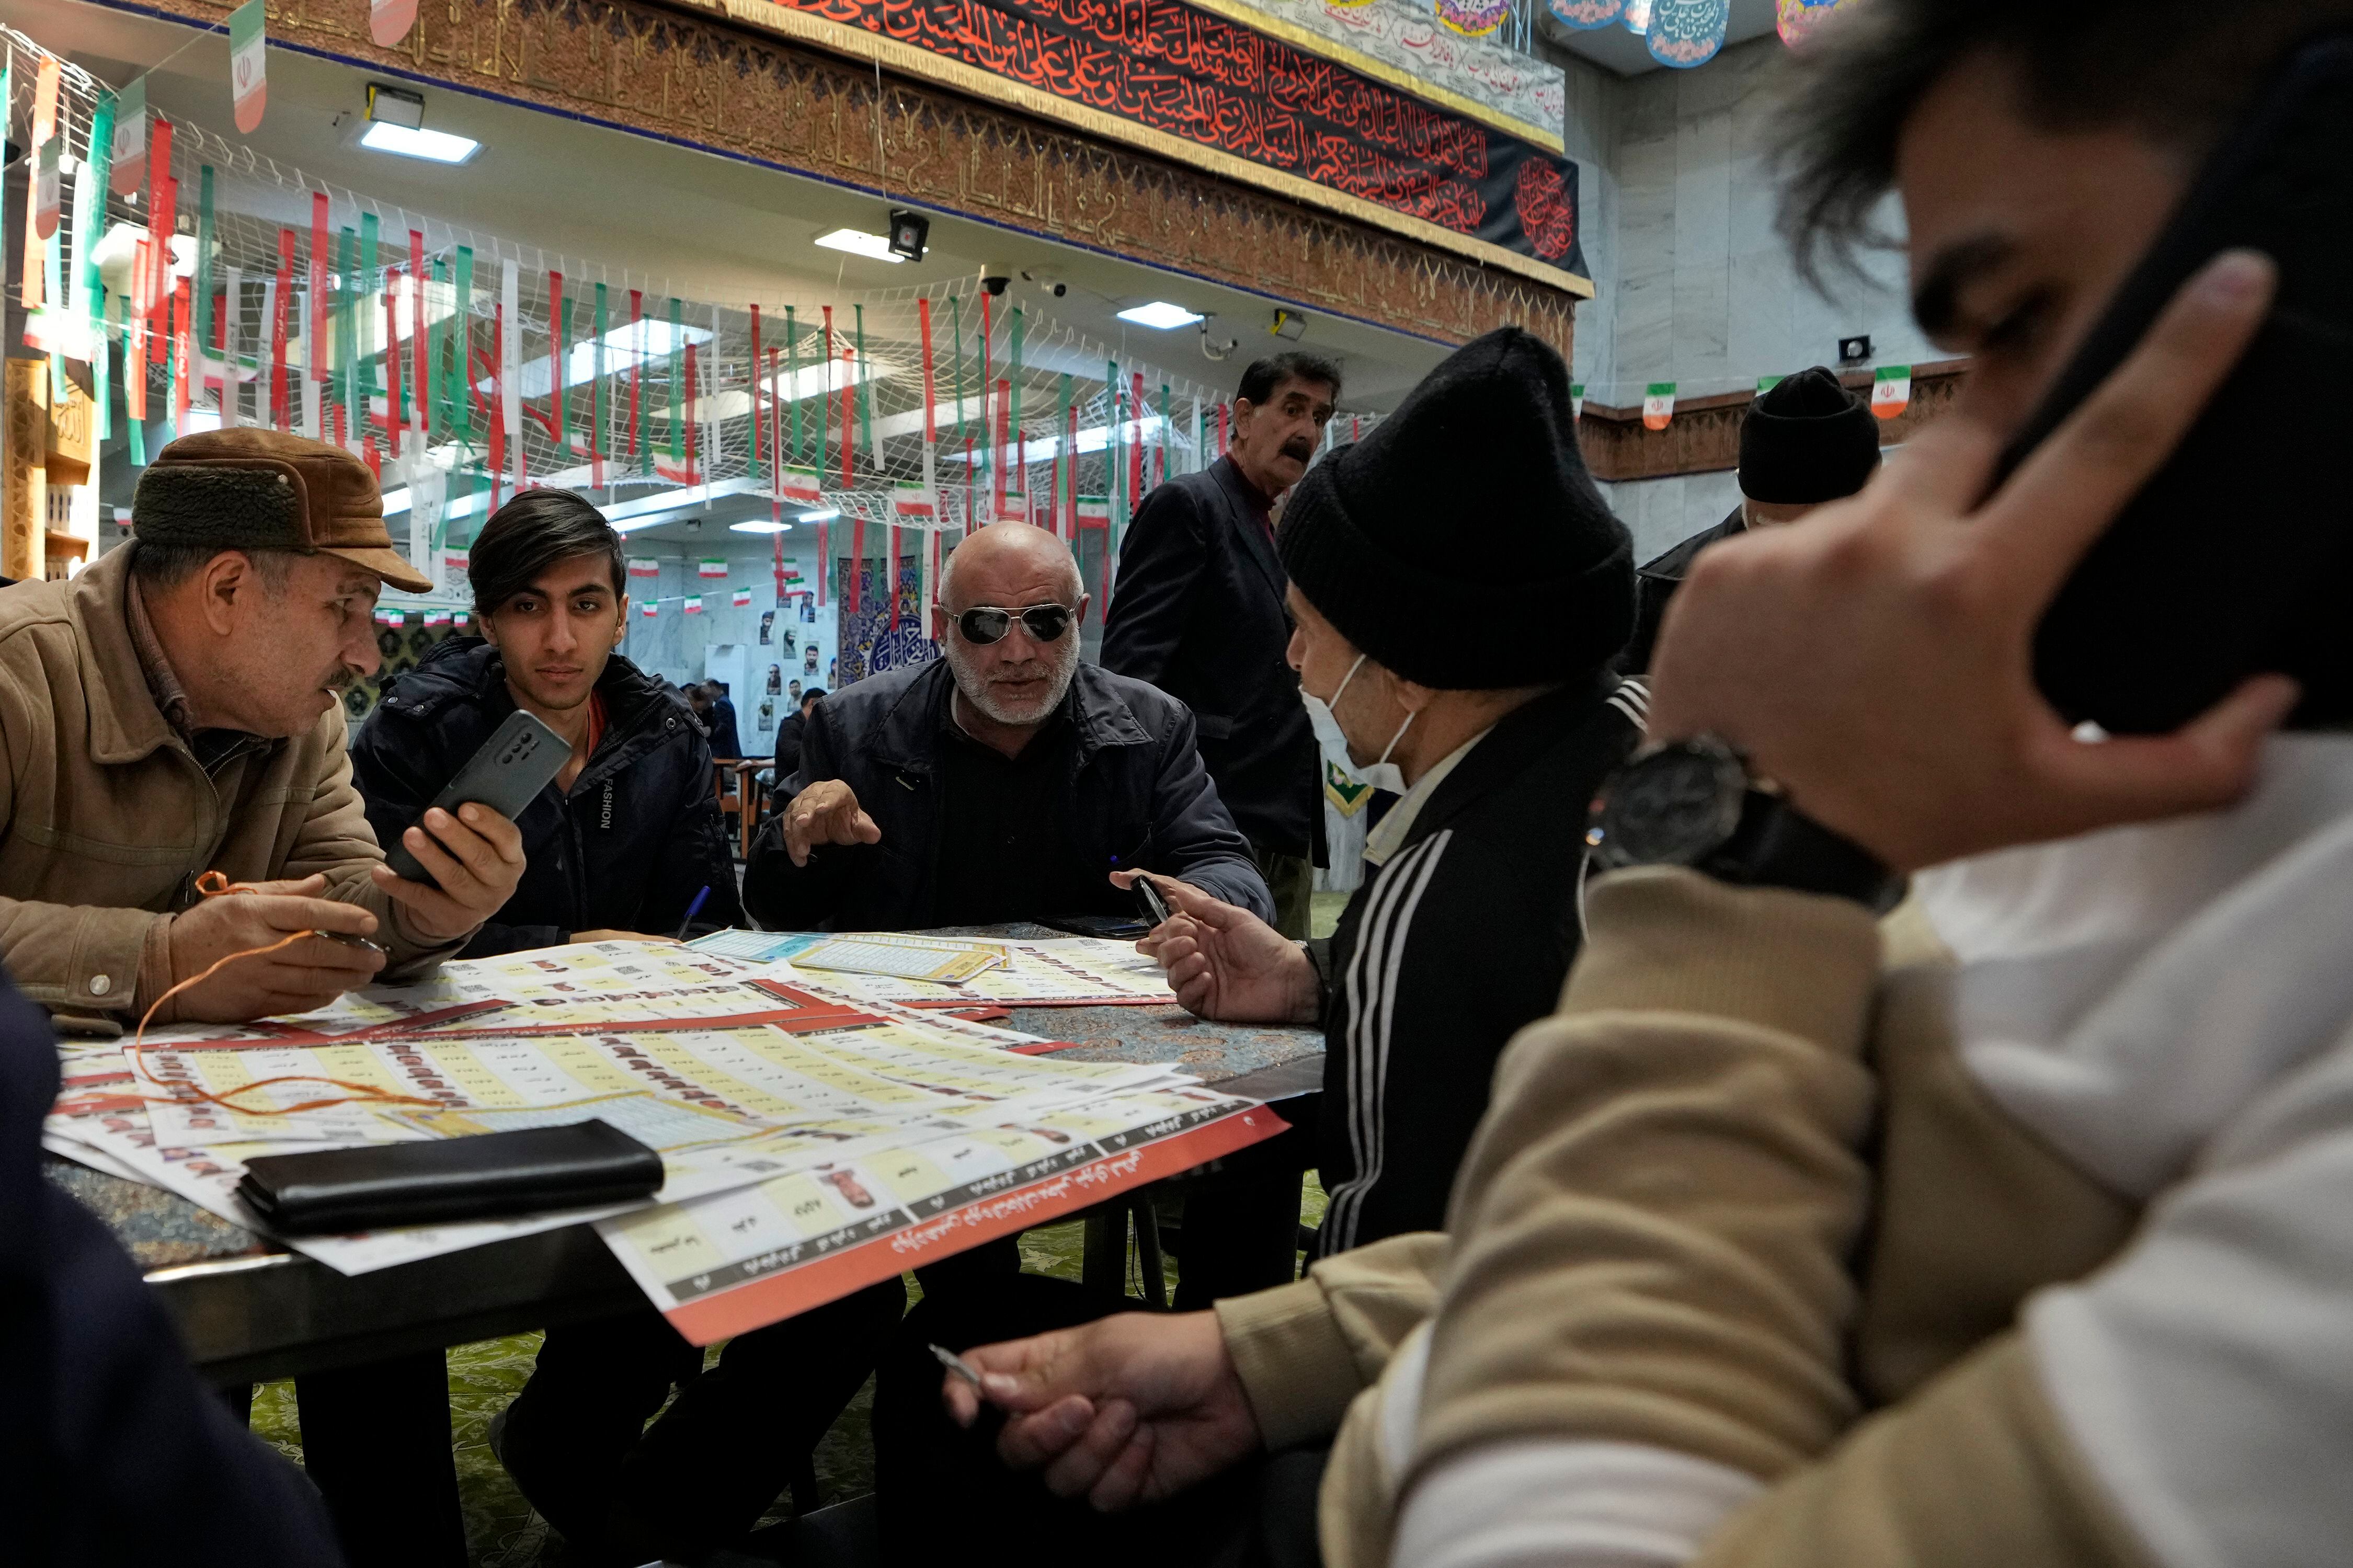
(693,910)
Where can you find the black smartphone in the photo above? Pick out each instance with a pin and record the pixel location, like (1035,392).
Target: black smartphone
(1118,927)
(1155,908)
(505,772)
(2236,558)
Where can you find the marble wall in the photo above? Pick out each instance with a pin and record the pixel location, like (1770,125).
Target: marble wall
(1693,282)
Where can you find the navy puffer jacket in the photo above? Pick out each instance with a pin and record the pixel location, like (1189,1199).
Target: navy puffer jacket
(627,849)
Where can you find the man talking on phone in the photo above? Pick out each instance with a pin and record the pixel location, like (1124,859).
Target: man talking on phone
(178,710)
(2011,1233)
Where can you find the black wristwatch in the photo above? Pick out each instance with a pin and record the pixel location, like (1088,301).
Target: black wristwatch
(1693,802)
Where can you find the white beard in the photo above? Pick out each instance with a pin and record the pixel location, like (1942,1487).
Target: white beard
(1063,667)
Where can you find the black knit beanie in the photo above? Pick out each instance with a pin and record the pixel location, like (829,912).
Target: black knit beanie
(1462,544)
(1806,441)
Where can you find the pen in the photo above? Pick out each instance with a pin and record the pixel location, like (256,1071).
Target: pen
(959,1366)
(693,910)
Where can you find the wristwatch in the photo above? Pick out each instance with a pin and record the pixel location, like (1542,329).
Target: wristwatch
(1694,802)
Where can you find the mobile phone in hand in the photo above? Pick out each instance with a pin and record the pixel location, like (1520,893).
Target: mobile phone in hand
(1155,908)
(522,757)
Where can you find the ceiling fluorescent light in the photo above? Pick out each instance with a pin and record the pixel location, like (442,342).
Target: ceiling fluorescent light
(758,525)
(827,515)
(858,242)
(438,147)
(1161,315)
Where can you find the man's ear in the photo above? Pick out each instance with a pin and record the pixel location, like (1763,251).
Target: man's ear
(226,578)
(1081,618)
(621,623)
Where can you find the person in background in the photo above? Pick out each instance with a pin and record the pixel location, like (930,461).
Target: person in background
(1006,781)
(1804,442)
(790,729)
(1468,923)
(1198,612)
(629,834)
(726,743)
(621,844)
(176,710)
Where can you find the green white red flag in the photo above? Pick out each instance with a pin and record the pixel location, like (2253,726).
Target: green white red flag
(711,567)
(743,598)
(1891,390)
(644,566)
(913,499)
(1659,405)
(248,49)
(694,604)
(799,484)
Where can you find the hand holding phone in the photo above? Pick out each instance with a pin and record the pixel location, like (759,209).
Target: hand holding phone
(458,865)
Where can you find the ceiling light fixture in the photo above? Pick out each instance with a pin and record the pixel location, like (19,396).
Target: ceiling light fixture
(1160,315)
(827,515)
(435,146)
(858,242)
(759,525)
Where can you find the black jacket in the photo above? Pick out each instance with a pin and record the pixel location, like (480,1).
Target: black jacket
(1656,583)
(725,741)
(1198,612)
(1460,938)
(788,746)
(111,1451)
(1136,797)
(626,851)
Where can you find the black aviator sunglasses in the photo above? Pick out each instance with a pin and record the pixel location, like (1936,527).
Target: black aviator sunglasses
(983,624)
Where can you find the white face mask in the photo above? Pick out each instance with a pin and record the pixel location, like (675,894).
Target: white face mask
(1382,774)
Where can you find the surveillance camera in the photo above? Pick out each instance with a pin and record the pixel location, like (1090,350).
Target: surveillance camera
(995,282)
(1048,281)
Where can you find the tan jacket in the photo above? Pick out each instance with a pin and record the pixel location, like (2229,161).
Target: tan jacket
(107,818)
(1662,1214)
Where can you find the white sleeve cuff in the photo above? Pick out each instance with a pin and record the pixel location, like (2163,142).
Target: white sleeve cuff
(1554,1504)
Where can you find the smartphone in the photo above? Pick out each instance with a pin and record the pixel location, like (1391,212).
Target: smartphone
(519,759)
(1117,928)
(1155,907)
(2235,559)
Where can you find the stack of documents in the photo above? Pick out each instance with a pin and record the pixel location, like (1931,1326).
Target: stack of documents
(813,1143)
(920,970)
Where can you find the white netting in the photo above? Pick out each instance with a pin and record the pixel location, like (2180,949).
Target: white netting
(1035,421)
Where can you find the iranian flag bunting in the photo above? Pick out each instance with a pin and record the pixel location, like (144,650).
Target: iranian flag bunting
(1577,400)
(248,49)
(913,499)
(1659,405)
(711,567)
(644,566)
(650,608)
(694,604)
(742,599)
(129,165)
(1891,390)
(1094,512)
(800,484)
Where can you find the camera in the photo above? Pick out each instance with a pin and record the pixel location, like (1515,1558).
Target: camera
(1048,281)
(995,283)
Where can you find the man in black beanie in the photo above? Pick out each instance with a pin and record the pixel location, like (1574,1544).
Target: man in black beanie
(1805,442)
(1497,734)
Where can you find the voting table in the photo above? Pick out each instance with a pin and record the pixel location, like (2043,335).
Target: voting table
(251,1311)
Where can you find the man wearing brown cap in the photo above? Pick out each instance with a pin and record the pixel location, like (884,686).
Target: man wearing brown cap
(177,709)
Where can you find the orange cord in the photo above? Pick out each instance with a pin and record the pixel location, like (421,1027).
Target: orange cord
(214,885)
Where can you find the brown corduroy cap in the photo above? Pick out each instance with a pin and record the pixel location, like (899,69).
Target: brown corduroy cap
(258,490)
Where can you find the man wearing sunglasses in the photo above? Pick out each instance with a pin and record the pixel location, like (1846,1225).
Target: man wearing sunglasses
(1004,782)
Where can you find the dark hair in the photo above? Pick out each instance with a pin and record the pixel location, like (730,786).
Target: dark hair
(811,695)
(1265,375)
(2177,71)
(164,567)
(531,533)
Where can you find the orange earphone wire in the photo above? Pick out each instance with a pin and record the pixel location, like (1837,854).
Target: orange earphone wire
(214,885)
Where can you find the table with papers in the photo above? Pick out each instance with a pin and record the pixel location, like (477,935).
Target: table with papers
(820,1128)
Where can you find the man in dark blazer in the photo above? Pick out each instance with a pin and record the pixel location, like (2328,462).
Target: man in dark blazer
(1198,611)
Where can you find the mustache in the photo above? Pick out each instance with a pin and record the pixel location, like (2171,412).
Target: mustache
(1299,446)
(341,680)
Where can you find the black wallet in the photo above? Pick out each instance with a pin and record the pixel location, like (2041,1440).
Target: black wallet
(490,1176)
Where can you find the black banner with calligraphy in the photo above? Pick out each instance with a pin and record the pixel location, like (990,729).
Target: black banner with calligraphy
(1187,73)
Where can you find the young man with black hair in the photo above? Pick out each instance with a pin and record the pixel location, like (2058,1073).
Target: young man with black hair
(630,833)
(2051,1177)
(1198,611)
(619,846)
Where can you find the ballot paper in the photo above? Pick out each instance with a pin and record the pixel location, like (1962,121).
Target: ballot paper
(740,1260)
(1056,971)
(944,960)
(740,1079)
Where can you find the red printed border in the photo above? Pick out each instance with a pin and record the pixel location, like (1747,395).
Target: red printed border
(761,1302)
